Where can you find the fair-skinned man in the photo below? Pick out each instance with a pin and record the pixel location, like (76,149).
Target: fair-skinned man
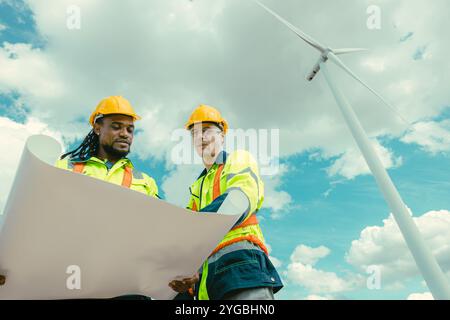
(239,267)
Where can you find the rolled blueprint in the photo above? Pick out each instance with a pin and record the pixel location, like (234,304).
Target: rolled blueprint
(67,235)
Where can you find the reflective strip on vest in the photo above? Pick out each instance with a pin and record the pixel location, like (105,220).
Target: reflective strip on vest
(127,175)
(216,187)
(194,206)
(78,167)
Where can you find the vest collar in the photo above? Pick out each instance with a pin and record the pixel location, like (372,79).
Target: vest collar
(220,159)
(123,161)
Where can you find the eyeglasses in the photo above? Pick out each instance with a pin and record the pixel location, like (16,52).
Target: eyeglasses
(206,132)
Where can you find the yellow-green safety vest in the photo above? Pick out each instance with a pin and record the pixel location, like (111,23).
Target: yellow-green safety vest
(121,173)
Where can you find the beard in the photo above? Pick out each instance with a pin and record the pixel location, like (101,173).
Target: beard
(116,153)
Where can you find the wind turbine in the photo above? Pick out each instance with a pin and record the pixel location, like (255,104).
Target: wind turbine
(426,262)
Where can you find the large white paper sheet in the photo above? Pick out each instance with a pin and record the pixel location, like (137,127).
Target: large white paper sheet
(124,242)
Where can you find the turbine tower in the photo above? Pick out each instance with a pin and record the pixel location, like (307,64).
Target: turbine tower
(426,262)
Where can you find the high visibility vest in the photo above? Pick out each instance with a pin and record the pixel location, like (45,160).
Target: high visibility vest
(244,175)
(127,175)
(122,173)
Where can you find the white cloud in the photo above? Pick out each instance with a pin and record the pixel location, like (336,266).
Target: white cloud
(352,163)
(432,136)
(420,296)
(277,200)
(277,263)
(308,255)
(176,184)
(155,139)
(301,271)
(13,136)
(314,280)
(29,71)
(384,246)
(375,64)
(2,27)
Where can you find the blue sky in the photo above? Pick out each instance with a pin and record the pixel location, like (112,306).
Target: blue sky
(337,220)
(54,77)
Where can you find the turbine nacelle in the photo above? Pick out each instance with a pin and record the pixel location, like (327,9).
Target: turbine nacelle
(324,57)
(316,68)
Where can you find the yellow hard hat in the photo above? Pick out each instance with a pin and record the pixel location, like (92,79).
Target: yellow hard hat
(204,113)
(113,105)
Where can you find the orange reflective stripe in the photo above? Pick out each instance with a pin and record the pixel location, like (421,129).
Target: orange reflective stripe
(253,239)
(216,189)
(127,177)
(78,167)
(253,220)
(194,206)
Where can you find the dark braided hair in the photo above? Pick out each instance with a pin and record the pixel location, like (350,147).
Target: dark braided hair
(86,149)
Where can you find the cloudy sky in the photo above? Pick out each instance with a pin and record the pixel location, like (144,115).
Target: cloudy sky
(324,217)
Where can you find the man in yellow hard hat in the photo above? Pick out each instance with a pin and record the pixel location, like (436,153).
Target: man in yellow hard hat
(239,267)
(102,154)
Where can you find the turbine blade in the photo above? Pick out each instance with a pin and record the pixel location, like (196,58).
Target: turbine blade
(348,50)
(293,28)
(340,64)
